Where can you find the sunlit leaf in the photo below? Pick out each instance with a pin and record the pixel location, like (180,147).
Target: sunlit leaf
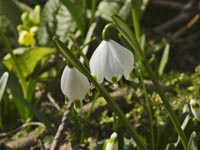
(27,58)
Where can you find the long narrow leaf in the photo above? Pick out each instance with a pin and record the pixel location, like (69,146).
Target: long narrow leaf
(41,117)
(3,83)
(164,59)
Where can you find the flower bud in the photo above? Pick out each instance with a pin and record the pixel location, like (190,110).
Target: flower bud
(112,143)
(195,108)
(74,85)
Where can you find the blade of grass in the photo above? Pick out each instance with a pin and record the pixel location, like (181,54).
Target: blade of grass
(135,20)
(164,59)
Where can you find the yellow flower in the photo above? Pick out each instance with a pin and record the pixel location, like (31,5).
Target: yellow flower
(26,38)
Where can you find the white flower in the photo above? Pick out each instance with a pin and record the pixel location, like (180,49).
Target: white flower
(195,107)
(110,60)
(74,84)
(112,143)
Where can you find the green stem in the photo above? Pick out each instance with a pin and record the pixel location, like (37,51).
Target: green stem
(127,33)
(93,10)
(137,30)
(165,101)
(149,112)
(76,63)
(135,21)
(15,63)
(105,33)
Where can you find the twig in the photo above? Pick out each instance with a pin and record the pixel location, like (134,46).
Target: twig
(88,38)
(2,135)
(188,12)
(186,27)
(167,4)
(51,99)
(26,142)
(61,128)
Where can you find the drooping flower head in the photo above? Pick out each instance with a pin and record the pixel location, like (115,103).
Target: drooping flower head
(111,144)
(195,108)
(111,61)
(74,84)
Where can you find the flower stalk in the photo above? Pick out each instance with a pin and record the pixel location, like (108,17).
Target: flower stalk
(131,39)
(76,63)
(105,33)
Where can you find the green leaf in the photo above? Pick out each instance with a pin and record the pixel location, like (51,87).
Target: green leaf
(11,11)
(55,20)
(125,10)
(65,23)
(77,14)
(139,6)
(27,107)
(3,83)
(164,59)
(107,8)
(192,144)
(24,112)
(27,58)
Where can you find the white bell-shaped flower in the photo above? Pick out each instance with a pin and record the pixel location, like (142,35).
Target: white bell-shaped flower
(112,143)
(195,108)
(110,60)
(74,84)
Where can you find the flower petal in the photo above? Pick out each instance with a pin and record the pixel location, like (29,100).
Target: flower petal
(195,107)
(111,60)
(74,84)
(125,56)
(98,62)
(113,68)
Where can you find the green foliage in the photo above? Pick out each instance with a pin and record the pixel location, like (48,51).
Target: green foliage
(107,8)
(78,16)
(55,20)
(123,8)
(192,145)
(28,58)
(7,8)
(164,59)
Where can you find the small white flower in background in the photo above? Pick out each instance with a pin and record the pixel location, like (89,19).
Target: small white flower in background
(195,107)
(74,85)
(110,60)
(112,143)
